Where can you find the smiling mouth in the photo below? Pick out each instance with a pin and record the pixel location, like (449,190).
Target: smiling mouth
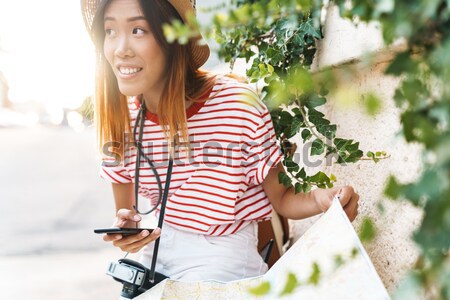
(129,71)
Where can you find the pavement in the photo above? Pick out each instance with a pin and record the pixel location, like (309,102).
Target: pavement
(51,199)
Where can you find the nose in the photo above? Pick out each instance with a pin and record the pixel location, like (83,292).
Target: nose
(124,47)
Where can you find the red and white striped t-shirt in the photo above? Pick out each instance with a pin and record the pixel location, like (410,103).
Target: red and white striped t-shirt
(217,189)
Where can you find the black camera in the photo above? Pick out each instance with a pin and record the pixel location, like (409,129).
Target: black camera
(134,277)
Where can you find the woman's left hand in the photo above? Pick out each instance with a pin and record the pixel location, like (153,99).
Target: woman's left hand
(347,195)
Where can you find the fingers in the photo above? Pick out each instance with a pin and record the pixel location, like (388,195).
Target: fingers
(349,201)
(345,194)
(111,237)
(351,209)
(130,243)
(139,245)
(134,243)
(126,215)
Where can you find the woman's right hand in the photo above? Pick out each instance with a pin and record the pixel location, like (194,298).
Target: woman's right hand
(130,243)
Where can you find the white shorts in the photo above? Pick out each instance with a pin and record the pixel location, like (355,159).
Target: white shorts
(191,257)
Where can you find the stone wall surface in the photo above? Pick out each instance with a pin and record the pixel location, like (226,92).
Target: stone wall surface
(392,251)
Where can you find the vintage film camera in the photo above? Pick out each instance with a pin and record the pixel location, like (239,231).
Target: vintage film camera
(136,278)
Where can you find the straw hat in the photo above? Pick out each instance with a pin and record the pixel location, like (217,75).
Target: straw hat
(200,50)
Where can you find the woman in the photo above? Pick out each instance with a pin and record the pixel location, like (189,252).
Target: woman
(226,160)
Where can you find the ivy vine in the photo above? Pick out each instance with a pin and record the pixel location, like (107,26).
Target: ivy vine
(279,38)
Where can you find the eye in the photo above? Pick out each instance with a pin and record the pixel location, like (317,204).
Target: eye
(109,32)
(138,31)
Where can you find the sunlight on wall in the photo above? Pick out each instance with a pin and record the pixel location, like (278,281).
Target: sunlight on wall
(46,53)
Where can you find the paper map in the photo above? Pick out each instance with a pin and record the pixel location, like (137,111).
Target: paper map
(330,237)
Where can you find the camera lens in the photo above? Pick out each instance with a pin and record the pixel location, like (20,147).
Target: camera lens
(130,291)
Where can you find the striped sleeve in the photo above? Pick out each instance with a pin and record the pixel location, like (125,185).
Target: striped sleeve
(264,151)
(114,171)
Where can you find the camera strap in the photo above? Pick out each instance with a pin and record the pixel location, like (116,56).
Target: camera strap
(161,219)
(140,119)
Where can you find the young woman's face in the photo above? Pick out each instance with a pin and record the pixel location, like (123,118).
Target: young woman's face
(133,52)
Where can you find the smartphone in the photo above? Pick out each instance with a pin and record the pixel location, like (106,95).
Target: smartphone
(124,231)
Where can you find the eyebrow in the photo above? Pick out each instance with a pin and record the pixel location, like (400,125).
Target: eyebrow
(132,19)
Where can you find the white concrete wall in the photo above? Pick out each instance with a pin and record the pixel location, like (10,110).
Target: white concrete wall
(392,252)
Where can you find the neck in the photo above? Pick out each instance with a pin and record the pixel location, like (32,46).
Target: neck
(151,100)
(151,104)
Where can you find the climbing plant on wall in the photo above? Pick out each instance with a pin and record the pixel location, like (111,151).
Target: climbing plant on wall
(278,38)
(281,34)
(423,97)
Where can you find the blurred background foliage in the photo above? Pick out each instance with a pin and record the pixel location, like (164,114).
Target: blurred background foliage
(278,40)
(423,97)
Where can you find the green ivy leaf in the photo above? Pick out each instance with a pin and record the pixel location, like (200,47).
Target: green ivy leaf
(317,147)
(341,143)
(352,147)
(302,173)
(329,131)
(338,261)
(306,134)
(315,101)
(320,178)
(306,186)
(291,165)
(290,285)
(333,177)
(401,63)
(393,189)
(286,118)
(309,29)
(300,79)
(284,179)
(295,127)
(314,278)
(367,231)
(354,156)
(260,290)
(298,39)
(372,104)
